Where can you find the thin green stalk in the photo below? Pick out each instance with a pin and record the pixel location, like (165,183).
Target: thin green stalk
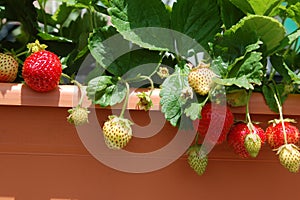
(79,85)
(196,138)
(248,118)
(281,118)
(91,17)
(151,83)
(126,100)
(158,64)
(42,6)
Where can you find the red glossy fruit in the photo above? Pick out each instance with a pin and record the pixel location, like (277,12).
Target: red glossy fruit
(217,119)
(237,135)
(42,71)
(275,135)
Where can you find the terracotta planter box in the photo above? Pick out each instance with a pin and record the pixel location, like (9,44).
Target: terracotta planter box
(43,157)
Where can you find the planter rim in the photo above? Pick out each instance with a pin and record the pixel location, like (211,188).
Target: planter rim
(17,94)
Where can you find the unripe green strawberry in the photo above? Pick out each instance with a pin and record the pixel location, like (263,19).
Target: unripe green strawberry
(8,68)
(78,116)
(117,132)
(197,159)
(243,141)
(289,157)
(252,144)
(200,79)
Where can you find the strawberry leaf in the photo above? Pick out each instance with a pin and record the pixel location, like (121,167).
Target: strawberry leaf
(190,16)
(245,72)
(171,100)
(257,6)
(130,17)
(118,56)
(194,110)
(269,90)
(230,14)
(250,29)
(104,91)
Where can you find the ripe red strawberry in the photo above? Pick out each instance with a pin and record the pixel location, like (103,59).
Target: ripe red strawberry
(237,135)
(275,135)
(42,71)
(200,79)
(117,132)
(8,68)
(216,118)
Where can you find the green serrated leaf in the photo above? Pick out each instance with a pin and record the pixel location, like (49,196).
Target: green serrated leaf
(119,57)
(230,14)
(98,85)
(101,90)
(49,37)
(257,6)
(136,21)
(289,39)
(219,67)
(232,44)
(241,82)
(283,69)
(194,110)
(62,13)
(246,72)
(171,100)
(268,92)
(191,16)
(277,63)
(294,11)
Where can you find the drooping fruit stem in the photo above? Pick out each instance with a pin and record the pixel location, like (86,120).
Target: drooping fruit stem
(248,118)
(79,85)
(151,84)
(126,100)
(281,118)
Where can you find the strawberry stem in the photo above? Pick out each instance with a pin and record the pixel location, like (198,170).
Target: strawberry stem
(196,138)
(126,100)
(281,118)
(79,85)
(151,83)
(21,54)
(248,118)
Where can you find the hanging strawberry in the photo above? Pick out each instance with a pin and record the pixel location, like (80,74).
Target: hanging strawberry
(8,68)
(197,159)
(246,138)
(285,136)
(211,116)
(200,78)
(42,69)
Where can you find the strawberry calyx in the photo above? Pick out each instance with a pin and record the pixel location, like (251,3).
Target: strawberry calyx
(277,121)
(35,47)
(126,122)
(287,146)
(145,102)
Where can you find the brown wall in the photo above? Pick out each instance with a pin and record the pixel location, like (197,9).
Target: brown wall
(42,158)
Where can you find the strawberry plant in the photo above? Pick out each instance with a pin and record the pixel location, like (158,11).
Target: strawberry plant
(198,52)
